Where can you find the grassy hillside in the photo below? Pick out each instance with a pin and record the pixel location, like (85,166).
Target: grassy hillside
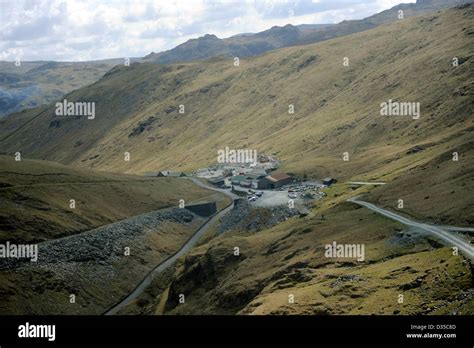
(337,108)
(288,259)
(440,190)
(35,198)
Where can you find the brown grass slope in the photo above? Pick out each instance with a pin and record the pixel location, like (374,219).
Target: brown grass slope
(35,197)
(440,190)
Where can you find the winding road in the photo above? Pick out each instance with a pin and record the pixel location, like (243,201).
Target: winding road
(439,231)
(183,250)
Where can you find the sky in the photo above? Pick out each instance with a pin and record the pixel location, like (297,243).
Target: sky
(80,30)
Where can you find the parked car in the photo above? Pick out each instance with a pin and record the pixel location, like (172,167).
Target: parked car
(259,193)
(292,195)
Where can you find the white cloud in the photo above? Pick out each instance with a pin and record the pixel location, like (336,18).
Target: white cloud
(87,29)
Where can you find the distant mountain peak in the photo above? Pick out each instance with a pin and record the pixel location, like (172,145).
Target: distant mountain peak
(285,27)
(246,45)
(209,37)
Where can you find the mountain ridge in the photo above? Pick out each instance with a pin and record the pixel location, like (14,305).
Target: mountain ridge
(290,35)
(36,89)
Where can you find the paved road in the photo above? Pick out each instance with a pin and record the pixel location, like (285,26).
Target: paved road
(437,231)
(183,250)
(459,229)
(227,192)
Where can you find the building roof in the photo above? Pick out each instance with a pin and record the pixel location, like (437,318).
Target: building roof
(170,173)
(257,173)
(278,177)
(328,179)
(216,179)
(238,178)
